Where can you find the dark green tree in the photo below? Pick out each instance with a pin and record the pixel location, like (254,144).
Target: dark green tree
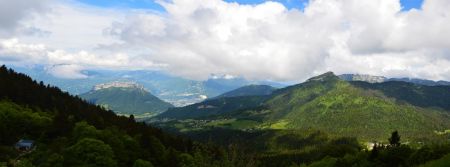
(90,152)
(394,140)
(142,163)
(374,153)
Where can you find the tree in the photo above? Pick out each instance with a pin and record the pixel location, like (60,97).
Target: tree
(90,152)
(394,140)
(132,118)
(142,163)
(374,153)
(84,130)
(24,163)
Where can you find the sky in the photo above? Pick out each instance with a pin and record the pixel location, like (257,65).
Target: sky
(281,40)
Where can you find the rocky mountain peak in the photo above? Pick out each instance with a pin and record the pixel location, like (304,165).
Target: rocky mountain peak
(118,84)
(324,77)
(363,77)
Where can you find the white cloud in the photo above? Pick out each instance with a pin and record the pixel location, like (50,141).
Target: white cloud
(72,26)
(67,71)
(267,41)
(12,12)
(66,64)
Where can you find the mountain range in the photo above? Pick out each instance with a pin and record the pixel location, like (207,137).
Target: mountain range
(176,90)
(379,79)
(329,104)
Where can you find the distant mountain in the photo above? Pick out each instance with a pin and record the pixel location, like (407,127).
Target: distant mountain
(420,81)
(126,98)
(213,107)
(249,90)
(331,105)
(245,97)
(362,77)
(175,90)
(379,79)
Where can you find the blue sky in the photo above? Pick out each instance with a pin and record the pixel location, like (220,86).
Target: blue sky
(151,4)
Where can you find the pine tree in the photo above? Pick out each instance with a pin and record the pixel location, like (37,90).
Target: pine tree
(394,140)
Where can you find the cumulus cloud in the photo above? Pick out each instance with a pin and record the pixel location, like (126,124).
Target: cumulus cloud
(64,64)
(268,41)
(196,38)
(12,12)
(71,26)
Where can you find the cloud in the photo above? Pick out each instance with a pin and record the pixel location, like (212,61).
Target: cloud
(268,41)
(197,38)
(64,64)
(67,71)
(72,26)
(13,12)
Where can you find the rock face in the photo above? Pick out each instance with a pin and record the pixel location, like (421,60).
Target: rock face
(117,84)
(363,77)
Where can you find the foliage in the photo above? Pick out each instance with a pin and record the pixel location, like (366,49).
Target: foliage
(442,162)
(90,152)
(394,140)
(142,163)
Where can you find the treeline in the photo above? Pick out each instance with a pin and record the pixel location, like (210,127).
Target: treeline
(391,154)
(70,132)
(317,149)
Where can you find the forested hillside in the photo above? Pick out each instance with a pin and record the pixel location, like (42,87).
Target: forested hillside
(70,132)
(127,100)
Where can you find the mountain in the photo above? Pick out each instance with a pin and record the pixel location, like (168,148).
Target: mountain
(213,107)
(421,81)
(249,90)
(126,98)
(337,107)
(173,89)
(379,79)
(245,97)
(363,77)
(67,131)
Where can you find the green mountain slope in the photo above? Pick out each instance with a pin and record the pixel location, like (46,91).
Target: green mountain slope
(341,108)
(67,131)
(127,100)
(418,95)
(243,98)
(213,107)
(249,90)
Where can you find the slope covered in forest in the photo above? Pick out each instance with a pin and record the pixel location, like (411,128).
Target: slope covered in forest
(68,131)
(127,100)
